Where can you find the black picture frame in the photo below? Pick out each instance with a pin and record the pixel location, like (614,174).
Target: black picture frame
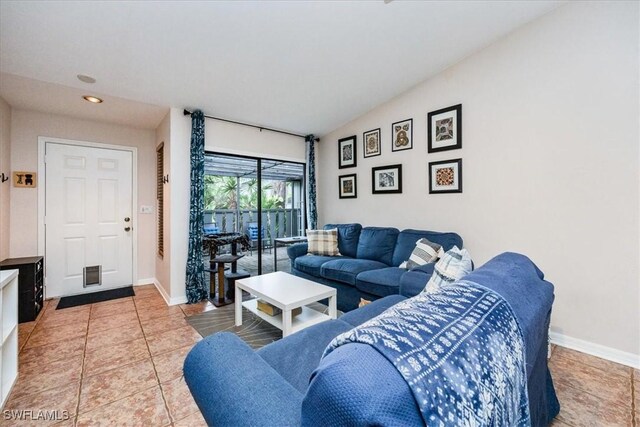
(386,179)
(455,166)
(402,135)
(343,192)
(369,136)
(344,145)
(444,136)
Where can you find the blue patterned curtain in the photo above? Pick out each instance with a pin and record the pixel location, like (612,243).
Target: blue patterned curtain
(312,213)
(196,288)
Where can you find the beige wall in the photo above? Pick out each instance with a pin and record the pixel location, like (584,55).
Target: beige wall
(5,187)
(235,139)
(550,161)
(27,126)
(180,188)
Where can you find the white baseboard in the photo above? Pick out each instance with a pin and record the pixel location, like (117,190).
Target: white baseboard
(165,296)
(598,350)
(178,300)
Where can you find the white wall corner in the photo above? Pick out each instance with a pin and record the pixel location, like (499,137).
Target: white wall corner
(597,350)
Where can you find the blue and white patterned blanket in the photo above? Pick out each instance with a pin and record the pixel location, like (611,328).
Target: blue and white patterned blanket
(460,351)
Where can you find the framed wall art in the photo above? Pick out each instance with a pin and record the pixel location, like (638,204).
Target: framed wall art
(386,179)
(445,176)
(402,135)
(348,186)
(371,142)
(25,179)
(347,153)
(444,129)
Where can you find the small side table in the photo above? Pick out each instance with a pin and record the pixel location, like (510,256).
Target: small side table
(284,241)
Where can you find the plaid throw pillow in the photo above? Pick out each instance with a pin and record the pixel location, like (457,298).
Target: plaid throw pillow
(454,265)
(424,253)
(323,242)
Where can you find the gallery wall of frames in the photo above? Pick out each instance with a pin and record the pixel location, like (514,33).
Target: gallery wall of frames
(444,133)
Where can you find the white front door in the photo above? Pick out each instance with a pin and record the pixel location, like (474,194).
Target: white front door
(88,219)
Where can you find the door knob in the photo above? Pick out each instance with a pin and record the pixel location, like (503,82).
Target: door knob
(127,229)
(127,219)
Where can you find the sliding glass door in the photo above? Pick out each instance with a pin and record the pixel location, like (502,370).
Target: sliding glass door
(262,199)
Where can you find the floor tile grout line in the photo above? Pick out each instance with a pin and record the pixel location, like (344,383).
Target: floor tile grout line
(118,400)
(84,356)
(633,398)
(592,366)
(155,371)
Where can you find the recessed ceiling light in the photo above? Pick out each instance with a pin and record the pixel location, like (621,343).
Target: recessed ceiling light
(85,78)
(93,99)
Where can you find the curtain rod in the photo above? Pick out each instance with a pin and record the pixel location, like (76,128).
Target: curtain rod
(188,113)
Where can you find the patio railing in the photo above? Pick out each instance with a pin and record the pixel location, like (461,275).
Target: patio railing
(276,222)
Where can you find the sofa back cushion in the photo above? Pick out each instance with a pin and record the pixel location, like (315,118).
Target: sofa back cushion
(378,244)
(348,236)
(407,239)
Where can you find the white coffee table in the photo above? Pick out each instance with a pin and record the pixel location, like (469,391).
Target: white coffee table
(286,292)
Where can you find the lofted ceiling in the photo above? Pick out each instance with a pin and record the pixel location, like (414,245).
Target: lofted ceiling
(307,66)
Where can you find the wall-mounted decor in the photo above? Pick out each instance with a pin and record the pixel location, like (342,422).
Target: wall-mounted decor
(348,186)
(402,135)
(371,141)
(386,179)
(444,129)
(347,154)
(25,179)
(445,176)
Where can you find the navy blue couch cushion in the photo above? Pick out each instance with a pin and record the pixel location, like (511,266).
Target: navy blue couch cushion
(348,236)
(309,344)
(377,244)
(346,270)
(311,264)
(407,239)
(383,282)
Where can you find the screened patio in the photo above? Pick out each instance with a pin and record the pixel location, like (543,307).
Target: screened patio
(234,203)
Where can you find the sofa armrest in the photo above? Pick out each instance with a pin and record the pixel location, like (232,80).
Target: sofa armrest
(414,281)
(232,385)
(426,269)
(296,250)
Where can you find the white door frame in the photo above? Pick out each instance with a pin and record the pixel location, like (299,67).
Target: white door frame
(42,141)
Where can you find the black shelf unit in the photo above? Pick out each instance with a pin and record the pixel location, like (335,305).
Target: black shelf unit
(30,285)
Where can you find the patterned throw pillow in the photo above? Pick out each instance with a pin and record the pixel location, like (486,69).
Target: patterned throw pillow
(454,265)
(323,242)
(424,253)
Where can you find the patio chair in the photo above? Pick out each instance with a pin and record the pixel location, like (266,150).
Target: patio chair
(251,231)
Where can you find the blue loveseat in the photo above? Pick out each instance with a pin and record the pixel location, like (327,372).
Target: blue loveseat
(288,382)
(369,263)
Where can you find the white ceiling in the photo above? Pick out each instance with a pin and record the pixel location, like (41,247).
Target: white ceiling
(300,66)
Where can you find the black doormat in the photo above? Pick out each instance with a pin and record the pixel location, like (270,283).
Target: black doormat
(76,300)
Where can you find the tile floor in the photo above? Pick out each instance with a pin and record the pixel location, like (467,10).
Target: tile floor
(120,363)
(112,363)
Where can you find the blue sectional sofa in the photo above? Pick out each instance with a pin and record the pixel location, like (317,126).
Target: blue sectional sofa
(369,263)
(288,383)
